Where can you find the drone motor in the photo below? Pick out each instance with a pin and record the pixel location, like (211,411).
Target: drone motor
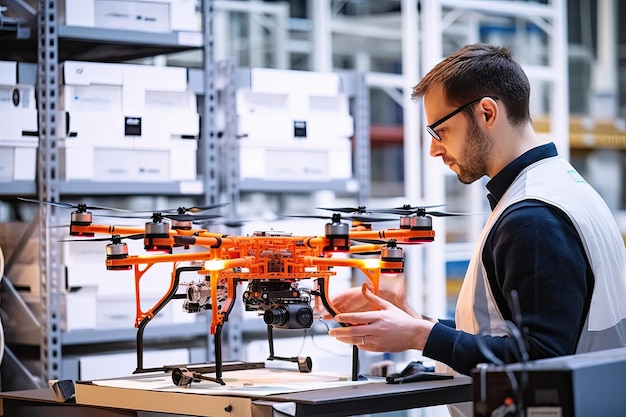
(392,258)
(157,235)
(416,222)
(80,218)
(338,235)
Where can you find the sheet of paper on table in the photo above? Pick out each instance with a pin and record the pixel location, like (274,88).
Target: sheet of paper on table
(248,382)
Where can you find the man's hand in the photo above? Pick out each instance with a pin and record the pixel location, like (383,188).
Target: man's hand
(383,328)
(391,289)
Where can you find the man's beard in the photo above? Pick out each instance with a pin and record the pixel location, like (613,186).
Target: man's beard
(473,164)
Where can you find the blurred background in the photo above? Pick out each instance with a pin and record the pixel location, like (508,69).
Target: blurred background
(271,107)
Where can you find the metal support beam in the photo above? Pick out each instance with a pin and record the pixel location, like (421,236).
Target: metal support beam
(48,189)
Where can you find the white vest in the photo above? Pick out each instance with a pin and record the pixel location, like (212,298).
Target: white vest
(556,182)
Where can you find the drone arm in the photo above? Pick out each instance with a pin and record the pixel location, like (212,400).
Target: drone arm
(213,269)
(370,267)
(107,229)
(316,242)
(140,315)
(156,258)
(365,248)
(425,235)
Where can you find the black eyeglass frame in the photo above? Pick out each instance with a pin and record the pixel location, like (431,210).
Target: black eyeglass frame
(431,127)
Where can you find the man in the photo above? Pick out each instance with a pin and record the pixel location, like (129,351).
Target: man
(550,258)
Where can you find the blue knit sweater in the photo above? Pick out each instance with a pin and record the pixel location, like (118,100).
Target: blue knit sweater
(534,249)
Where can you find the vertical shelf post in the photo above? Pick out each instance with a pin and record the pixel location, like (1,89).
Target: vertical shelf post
(48,189)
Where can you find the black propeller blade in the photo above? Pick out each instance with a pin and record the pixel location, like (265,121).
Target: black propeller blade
(190,217)
(112,238)
(357,210)
(337,217)
(408,210)
(184,210)
(81,207)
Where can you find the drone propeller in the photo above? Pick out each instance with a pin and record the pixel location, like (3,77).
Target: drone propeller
(184,210)
(185,217)
(81,207)
(337,217)
(158,216)
(113,238)
(358,210)
(226,222)
(407,210)
(388,242)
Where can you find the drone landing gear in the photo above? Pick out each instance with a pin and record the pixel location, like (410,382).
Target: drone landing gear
(305,364)
(156,309)
(183,377)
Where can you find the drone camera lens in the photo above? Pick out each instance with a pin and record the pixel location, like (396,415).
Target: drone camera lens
(289,316)
(276,316)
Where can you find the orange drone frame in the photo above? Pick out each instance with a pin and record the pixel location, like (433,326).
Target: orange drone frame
(272,263)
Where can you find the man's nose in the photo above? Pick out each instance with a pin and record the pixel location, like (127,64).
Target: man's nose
(436,149)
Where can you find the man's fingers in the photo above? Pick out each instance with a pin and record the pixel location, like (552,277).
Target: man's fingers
(355,319)
(377,301)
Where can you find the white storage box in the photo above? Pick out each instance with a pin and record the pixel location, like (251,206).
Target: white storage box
(141,15)
(115,365)
(168,131)
(78,308)
(123,106)
(92,86)
(165,106)
(8,73)
(91,105)
(119,312)
(94,128)
(176,162)
(18,114)
(294,126)
(281,105)
(85,264)
(18,161)
(295,161)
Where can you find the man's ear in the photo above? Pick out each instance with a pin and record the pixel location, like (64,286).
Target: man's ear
(490,110)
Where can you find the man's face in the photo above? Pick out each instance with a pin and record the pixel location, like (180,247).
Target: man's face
(464,147)
(472,164)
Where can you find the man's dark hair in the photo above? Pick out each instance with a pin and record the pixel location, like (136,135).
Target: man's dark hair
(481,70)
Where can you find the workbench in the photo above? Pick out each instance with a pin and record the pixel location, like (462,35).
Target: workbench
(331,402)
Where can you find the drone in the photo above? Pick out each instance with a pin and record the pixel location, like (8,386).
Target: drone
(271,263)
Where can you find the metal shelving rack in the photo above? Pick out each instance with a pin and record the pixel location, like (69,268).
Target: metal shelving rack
(218,175)
(228,78)
(56,43)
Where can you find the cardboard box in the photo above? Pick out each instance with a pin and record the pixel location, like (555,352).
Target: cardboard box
(13,232)
(26,278)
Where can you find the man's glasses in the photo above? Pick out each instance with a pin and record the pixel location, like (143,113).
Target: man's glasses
(431,128)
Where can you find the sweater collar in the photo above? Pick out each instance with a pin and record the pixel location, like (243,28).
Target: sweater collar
(498,185)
